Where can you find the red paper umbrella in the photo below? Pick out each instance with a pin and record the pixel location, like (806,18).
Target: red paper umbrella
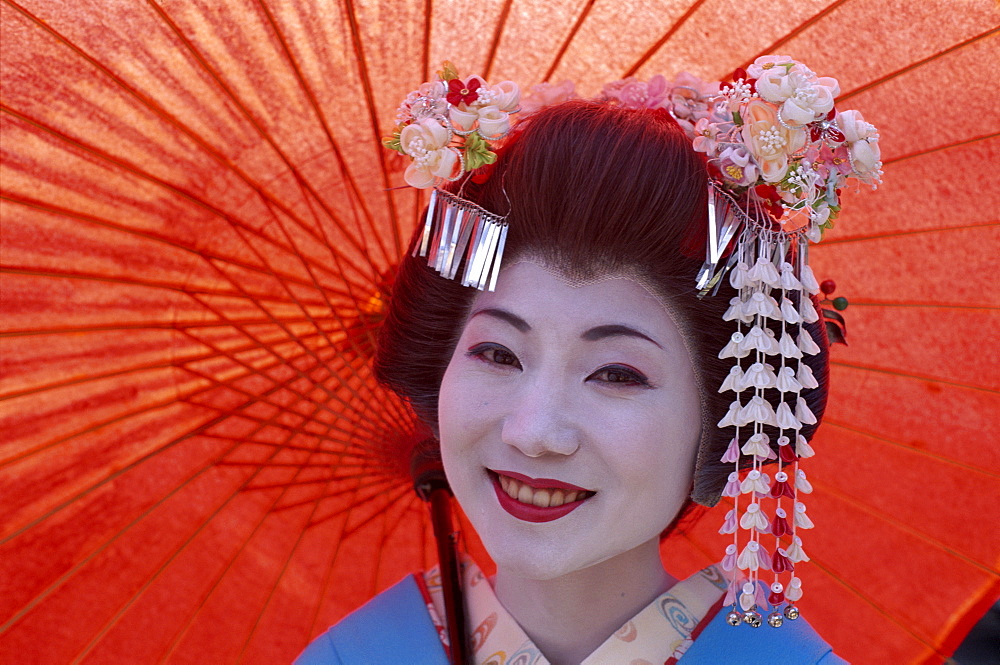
(199,231)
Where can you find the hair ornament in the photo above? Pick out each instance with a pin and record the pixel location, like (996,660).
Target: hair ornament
(446,126)
(779,153)
(457,229)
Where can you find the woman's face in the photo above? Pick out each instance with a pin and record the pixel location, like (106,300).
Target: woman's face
(569,420)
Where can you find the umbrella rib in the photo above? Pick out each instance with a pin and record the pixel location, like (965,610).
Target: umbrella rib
(501,22)
(946,146)
(133,369)
(266,347)
(316,481)
(78,274)
(911,232)
(267,137)
(166,286)
(286,446)
(91,428)
(940,459)
(144,325)
(925,305)
(373,482)
(919,377)
(916,65)
(577,24)
(425,72)
(163,566)
(200,253)
(314,103)
(290,465)
(285,567)
(651,51)
(370,486)
(325,584)
(348,447)
(794,32)
(294,299)
(358,424)
(369,94)
(173,121)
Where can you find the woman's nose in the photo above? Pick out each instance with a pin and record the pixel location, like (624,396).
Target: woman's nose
(538,422)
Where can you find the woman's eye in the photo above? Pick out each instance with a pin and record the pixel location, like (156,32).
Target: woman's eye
(617,375)
(496,355)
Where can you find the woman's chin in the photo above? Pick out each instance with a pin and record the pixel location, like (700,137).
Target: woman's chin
(544,559)
(534,565)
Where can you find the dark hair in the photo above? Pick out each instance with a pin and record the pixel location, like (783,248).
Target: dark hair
(589,189)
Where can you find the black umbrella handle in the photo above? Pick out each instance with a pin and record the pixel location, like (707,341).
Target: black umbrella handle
(432,486)
(451,579)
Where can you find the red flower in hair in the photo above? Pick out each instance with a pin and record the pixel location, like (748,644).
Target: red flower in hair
(740,75)
(460,92)
(768,195)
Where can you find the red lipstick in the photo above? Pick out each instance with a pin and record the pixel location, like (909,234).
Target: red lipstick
(530,512)
(542,483)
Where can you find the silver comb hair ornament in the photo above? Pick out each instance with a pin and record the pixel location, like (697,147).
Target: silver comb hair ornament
(457,230)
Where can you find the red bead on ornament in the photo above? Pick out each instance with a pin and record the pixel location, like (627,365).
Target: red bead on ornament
(779,527)
(787,454)
(780,563)
(828,286)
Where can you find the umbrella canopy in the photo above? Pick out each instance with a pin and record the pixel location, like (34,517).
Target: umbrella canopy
(199,232)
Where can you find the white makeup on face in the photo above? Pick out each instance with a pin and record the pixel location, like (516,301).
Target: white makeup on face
(569,420)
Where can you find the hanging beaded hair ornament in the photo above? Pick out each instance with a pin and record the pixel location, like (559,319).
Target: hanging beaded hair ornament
(778,154)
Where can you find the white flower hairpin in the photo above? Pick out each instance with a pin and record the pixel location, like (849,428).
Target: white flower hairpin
(446,126)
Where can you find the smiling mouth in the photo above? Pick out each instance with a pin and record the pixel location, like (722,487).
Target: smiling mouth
(540,497)
(536,499)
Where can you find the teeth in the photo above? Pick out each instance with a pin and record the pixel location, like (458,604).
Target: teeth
(542,498)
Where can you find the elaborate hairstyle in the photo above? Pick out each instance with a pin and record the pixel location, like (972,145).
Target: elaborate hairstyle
(589,189)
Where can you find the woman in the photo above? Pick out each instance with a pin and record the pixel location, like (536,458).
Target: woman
(577,403)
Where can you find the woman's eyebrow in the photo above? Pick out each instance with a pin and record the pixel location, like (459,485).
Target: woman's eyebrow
(615,330)
(504,315)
